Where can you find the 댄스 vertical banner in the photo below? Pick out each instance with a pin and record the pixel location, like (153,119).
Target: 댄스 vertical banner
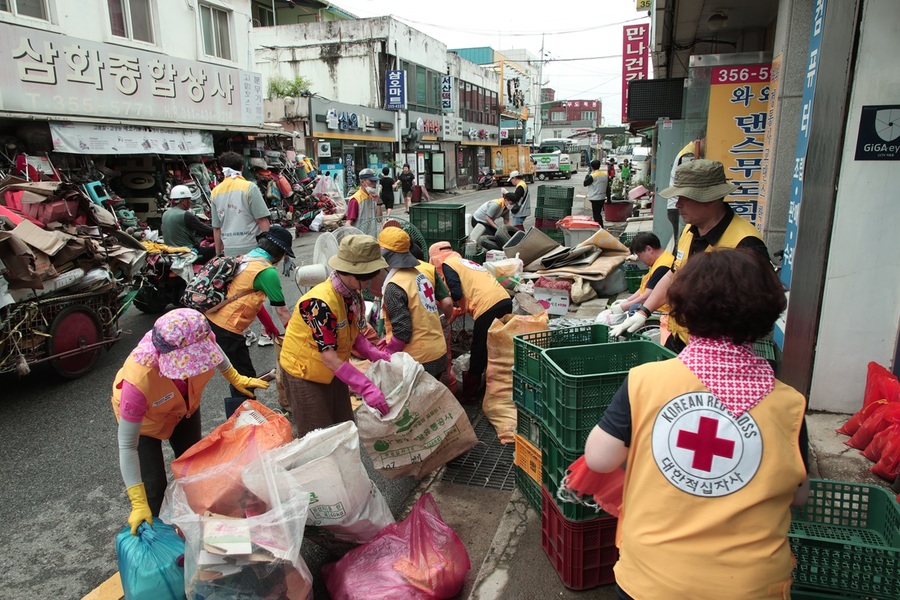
(395,90)
(635,58)
(769,141)
(736,128)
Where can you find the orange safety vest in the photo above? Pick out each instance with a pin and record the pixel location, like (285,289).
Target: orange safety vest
(706,500)
(428,342)
(237,315)
(300,355)
(739,229)
(165,404)
(479,287)
(665,260)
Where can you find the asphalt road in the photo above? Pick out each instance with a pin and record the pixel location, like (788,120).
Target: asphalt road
(62,500)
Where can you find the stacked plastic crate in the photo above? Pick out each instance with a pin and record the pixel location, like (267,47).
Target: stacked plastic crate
(553,203)
(634,270)
(563,380)
(441,222)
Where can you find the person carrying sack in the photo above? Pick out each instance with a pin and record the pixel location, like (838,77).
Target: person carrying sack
(156,396)
(327,326)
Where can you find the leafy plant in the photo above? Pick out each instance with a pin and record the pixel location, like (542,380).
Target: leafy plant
(282,87)
(618,188)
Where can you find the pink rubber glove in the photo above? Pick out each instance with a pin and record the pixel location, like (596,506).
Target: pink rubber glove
(364,348)
(395,345)
(361,384)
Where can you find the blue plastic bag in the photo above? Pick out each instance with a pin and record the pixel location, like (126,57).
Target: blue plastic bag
(148,562)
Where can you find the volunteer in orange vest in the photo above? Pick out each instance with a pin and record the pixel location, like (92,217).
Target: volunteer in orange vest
(326,326)
(412,314)
(256,281)
(715,447)
(477,293)
(701,188)
(156,396)
(648,249)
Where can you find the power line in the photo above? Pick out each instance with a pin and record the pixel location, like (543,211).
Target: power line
(494,32)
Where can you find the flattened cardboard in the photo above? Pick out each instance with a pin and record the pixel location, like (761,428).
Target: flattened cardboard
(19,262)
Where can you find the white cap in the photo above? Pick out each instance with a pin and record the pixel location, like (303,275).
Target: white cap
(515,174)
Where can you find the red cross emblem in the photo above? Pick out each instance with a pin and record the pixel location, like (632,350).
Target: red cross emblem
(705,443)
(429,291)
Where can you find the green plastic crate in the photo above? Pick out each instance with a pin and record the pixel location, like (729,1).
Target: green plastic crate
(554,213)
(801,593)
(477,257)
(554,461)
(459,245)
(627,237)
(530,488)
(529,427)
(764,349)
(579,382)
(439,221)
(633,280)
(556,196)
(528,396)
(528,347)
(554,234)
(846,539)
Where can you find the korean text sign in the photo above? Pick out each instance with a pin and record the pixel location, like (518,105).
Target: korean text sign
(736,129)
(635,59)
(395,90)
(50,73)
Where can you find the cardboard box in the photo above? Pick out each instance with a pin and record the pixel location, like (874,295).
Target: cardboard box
(556,302)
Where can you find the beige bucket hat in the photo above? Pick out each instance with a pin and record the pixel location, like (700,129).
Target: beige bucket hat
(358,255)
(701,181)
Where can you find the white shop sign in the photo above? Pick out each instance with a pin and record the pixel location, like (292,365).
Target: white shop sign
(96,138)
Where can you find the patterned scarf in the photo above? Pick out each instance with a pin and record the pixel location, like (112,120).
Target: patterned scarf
(355,298)
(734,374)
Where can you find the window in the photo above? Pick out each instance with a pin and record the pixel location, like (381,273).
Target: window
(421,86)
(25,8)
(264,16)
(131,19)
(558,116)
(216,28)
(589,115)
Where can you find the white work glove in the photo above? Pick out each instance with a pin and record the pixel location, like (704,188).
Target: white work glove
(630,325)
(610,318)
(618,307)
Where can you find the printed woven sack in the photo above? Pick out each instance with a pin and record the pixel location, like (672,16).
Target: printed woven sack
(208,290)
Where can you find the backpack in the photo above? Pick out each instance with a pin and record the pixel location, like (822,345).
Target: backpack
(208,290)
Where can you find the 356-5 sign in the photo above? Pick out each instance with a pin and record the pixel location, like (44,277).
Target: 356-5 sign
(748,74)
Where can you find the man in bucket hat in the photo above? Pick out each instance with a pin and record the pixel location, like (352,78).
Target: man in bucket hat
(700,188)
(156,396)
(412,311)
(326,327)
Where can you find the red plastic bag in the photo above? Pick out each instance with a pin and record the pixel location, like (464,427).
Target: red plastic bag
(606,488)
(881,384)
(875,449)
(250,431)
(889,463)
(418,558)
(872,423)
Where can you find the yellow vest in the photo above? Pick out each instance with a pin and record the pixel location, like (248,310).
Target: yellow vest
(237,315)
(665,260)
(165,404)
(300,355)
(427,343)
(428,269)
(706,501)
(739,229)
(479,287)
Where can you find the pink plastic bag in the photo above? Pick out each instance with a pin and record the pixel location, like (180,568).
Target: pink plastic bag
(418,558)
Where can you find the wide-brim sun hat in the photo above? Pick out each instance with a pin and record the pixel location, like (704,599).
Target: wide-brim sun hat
(281,237)
(358,255)
(180,345)
(701,181)
(438,252)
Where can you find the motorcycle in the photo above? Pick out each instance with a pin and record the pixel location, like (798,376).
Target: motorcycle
(486,179)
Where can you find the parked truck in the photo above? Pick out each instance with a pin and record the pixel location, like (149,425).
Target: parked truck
(552,165)
(506,159)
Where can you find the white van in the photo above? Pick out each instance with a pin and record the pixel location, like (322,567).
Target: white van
(640,163)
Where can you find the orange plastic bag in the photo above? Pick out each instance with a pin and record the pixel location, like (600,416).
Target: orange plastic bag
(881,384)
(606,488)
(250,431)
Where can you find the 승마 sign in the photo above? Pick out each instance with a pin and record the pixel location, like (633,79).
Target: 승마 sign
(54,74)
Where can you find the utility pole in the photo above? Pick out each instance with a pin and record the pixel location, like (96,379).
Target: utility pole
(538,115)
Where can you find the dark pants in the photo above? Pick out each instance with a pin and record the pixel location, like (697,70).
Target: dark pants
(150,454)
(488,230)
(609,181)
(672,213)
(597,211)
(235,348)
(675,344)
(478,361)
(621,595)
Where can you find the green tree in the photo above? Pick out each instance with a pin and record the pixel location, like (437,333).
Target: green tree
(282,87)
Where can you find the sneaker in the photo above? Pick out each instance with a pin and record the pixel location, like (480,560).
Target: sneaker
(249,338)
(265,340)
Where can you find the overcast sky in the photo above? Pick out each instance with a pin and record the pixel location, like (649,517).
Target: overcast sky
(572,29)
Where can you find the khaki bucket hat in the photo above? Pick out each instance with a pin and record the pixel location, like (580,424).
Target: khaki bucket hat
(358,255)
(701,181)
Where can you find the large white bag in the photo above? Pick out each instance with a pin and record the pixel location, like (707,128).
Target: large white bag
(426,426)
(345,505)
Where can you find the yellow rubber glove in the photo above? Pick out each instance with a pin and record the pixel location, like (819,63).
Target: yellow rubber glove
(244,384)
(140,508)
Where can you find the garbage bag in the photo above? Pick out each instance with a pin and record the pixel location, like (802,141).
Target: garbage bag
(881,384)
(250,431)
(425,427)
(257,556)
(419,558)
(148,563)
(873,423)
(345,505)
(498,403)
(604,488)
(888,464)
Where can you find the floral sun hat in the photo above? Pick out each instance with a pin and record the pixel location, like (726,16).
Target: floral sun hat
(180,345)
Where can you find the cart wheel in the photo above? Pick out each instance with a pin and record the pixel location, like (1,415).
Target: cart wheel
(542,176)
(73,328)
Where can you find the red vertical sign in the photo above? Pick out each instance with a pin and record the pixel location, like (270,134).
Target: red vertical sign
(635,58)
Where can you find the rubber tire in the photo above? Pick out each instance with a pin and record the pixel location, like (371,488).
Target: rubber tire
(568,176)
(71,328)
(542,176)
(488,242)
(503,235)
